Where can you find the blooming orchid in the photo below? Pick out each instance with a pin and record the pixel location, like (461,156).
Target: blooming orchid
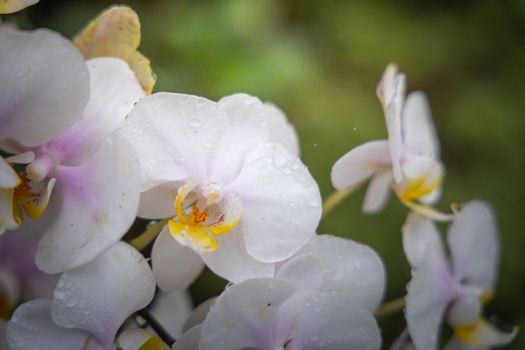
(321,298)
(229,175)
(80,316)
(457,286)
(65,156)
(408,161)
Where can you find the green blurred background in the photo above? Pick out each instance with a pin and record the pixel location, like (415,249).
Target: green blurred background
(321,60)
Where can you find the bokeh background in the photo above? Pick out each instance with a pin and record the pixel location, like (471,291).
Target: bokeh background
(321,60)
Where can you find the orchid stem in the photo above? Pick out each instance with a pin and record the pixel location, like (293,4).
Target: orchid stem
(156,326)
(334,199)
(145,238)
(390,307)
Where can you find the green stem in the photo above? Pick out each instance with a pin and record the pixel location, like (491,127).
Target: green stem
(390,307)
(334,199)
(145,238)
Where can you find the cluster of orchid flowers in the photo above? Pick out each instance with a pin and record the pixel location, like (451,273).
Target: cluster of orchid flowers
(86,149)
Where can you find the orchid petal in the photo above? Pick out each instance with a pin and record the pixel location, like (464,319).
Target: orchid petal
(189,340)
(172,310)
(247,128)
(173,135)
(198,315)
(419,132)
(430,291)
(32,327)
(281,203)
(175,266)
(124,284)
(474,245)
(89,212)
(393,105)
(361,163)
(303,271)
(8,181)
(10,6)
(484,334)
(281,130)
(233,262)
(349,268)
(419,236)
(44,78)
(377,193)
(114,90)
(334,321)
(157,203)
(116,33)
(243,315)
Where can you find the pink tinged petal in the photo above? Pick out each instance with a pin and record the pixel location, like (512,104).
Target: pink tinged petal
(172,310)
(198,315)
(44,78)
(377,193)
(335,321)
(430,291)
(99,296)
(247,128)
(419,236)
(474,245)
(281,203)
(281,130)
(91,208)
(243,316)
(419,132)
(233,262)
(157,203)
(32,327)
(350,268)
(114,91)
(189,340)
(175,266)
(173,135)
(361,163)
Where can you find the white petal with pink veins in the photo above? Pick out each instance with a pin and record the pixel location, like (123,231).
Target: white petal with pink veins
(92,207)
(114,91)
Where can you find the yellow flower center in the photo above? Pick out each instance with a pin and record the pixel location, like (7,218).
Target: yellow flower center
(200,224)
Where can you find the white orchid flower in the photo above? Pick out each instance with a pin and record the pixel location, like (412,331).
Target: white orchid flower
(408,162)
(89,305)
(457,286)
(79,176)
(321,298)
(230,174)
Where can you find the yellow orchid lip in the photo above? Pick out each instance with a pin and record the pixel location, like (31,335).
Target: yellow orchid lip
(29,200)
(199,229)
